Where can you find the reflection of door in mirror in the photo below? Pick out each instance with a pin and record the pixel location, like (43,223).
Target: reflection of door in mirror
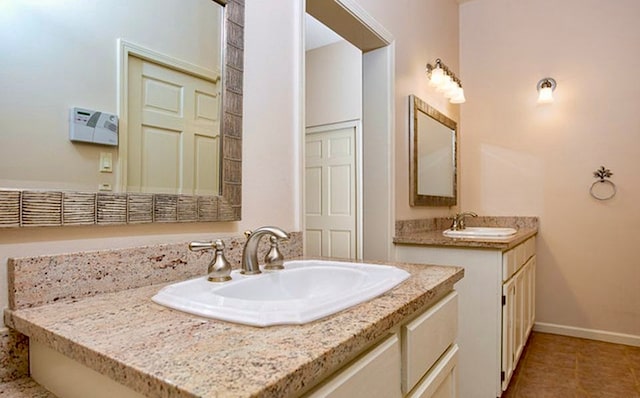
(173,141)
(432,155)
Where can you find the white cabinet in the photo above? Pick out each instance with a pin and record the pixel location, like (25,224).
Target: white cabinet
(491,335)
(419,360)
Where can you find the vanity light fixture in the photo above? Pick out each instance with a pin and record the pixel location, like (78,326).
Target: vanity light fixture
(545,90)
(446,82)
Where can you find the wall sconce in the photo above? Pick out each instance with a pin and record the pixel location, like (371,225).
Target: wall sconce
(445,81)
(545,90)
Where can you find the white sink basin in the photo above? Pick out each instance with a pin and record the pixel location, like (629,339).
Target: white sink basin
(304,291)
(481,232)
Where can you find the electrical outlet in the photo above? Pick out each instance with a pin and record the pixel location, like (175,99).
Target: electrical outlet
(104,187)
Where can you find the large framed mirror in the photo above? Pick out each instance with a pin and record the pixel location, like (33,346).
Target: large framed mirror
(79,54)
(432,156)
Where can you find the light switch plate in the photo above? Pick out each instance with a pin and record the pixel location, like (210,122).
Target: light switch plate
(106,162)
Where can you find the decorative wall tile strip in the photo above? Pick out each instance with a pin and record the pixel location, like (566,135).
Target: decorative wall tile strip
(34,281)
(139,208)
(187,208)
(9,208)
(41,208)
(54,208)
(78,208)
(112,208)
(166,208)
(14,353)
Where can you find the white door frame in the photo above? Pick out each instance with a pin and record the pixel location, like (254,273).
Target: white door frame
(377,205)
(357,126)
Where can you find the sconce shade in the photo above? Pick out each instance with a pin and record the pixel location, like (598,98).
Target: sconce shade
(437,77)
(459,97)
(545,90)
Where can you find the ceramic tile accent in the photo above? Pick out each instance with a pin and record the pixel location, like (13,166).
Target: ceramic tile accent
(39,280)
(78,208)
(9,208)
(561,366)
(14,352)
(428,232)
(24,387)
(160,352)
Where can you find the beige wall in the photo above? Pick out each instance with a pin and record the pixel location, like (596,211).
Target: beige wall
(270,147)
(423,31)
(520,158)
(333,78)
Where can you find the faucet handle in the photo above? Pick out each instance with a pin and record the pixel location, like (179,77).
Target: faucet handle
(198,246)
(220,268)
(273,260)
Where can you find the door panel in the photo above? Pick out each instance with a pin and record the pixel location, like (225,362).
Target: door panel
(330,192)
(165,99)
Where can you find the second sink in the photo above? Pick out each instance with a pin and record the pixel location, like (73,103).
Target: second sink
(481,232)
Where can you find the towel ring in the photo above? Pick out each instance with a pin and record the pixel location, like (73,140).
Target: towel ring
(603,189)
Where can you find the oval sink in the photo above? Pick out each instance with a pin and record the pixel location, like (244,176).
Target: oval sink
(481,232)
(304,291)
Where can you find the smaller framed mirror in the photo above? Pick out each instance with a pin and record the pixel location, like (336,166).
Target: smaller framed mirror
(432,156)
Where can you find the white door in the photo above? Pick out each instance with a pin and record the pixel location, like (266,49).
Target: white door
(330,191)
(173,140)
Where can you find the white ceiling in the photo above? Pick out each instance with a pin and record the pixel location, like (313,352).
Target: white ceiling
(317,34)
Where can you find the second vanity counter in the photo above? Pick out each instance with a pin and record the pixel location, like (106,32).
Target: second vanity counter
(160,352)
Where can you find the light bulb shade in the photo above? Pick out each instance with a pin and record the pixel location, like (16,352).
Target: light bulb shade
(452,90)
(545,90)
(437,77)
(459,97)
(445,84)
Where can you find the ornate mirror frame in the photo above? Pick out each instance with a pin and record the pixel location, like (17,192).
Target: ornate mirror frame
(416,198)
(24,208)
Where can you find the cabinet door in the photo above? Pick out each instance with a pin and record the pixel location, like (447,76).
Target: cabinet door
(376,374)
(508,330)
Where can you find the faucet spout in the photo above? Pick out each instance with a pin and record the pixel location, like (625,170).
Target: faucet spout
(458,220)
(250,264)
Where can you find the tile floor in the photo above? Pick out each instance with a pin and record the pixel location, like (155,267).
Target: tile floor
(555,366)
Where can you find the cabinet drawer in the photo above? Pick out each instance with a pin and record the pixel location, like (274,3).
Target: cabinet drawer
(441,381)
(426,338)
(376,374)
(514,259)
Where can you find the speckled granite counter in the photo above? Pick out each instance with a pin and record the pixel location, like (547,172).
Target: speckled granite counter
(428,232)
(24,387)
(160,352)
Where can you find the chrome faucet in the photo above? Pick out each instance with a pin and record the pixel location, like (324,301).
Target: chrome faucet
(250,252)
(458,220)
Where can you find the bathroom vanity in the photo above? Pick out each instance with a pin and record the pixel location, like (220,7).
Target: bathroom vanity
(496,303)
(398,344)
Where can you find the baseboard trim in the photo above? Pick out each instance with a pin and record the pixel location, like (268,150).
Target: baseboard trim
(592,334)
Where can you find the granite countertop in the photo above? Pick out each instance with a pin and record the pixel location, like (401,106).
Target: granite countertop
(161,352)
(436,238)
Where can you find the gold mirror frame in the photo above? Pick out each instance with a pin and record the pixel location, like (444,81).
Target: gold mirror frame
(417,106)
(24,208)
